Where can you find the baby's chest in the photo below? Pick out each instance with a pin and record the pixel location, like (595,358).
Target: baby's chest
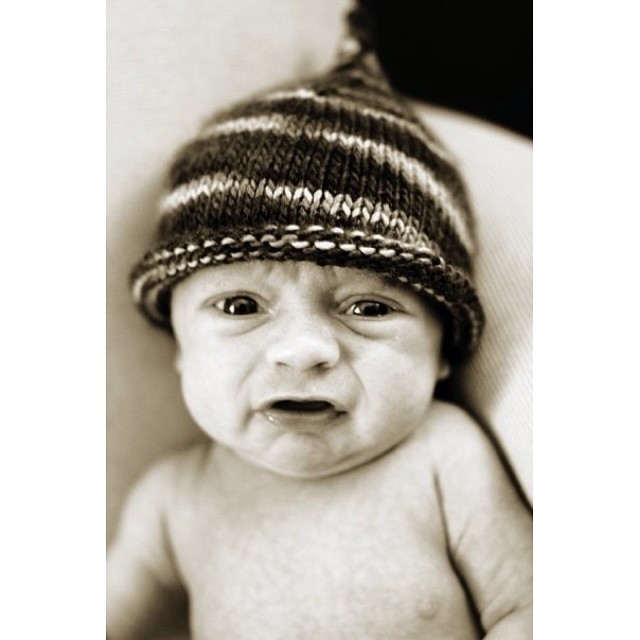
(334,573)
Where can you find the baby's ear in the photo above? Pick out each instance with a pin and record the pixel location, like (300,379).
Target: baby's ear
(444,369)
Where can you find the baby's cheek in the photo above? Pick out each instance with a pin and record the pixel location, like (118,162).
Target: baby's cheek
(402,390)
(201,396)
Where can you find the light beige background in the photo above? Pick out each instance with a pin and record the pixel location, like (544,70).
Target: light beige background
(173,62)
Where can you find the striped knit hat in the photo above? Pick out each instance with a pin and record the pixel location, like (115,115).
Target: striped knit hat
(335,170)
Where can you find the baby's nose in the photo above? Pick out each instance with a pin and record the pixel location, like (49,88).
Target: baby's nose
(304,344)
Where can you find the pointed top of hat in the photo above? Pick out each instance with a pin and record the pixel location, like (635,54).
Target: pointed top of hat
(357,48)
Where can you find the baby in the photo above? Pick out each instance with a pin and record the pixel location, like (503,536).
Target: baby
(313,262)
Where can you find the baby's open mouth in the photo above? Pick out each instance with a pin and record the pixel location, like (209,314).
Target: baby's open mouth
(303,414)
(302,405)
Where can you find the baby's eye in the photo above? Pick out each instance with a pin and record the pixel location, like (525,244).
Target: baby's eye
(238,306)
(369,309)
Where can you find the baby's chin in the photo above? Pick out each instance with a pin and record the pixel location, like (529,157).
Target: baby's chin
(308,457)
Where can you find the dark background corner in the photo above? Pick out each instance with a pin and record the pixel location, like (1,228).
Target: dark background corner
(475,57)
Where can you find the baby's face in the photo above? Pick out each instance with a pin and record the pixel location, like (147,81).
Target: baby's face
(304,370)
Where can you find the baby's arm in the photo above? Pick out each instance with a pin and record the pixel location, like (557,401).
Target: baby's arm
(489,530)
(144,593)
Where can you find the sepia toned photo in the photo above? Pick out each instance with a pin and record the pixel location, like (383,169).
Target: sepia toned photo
(319,321)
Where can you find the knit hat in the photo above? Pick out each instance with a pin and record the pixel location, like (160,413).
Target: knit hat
(336,170)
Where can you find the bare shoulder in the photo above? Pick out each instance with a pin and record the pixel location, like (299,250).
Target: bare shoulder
(141,537)
(451,429)
(168,473)
(460,449)
(467,465)
(436,445)
(154,491)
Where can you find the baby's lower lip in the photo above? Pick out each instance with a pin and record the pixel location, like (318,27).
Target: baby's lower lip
(301,416)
